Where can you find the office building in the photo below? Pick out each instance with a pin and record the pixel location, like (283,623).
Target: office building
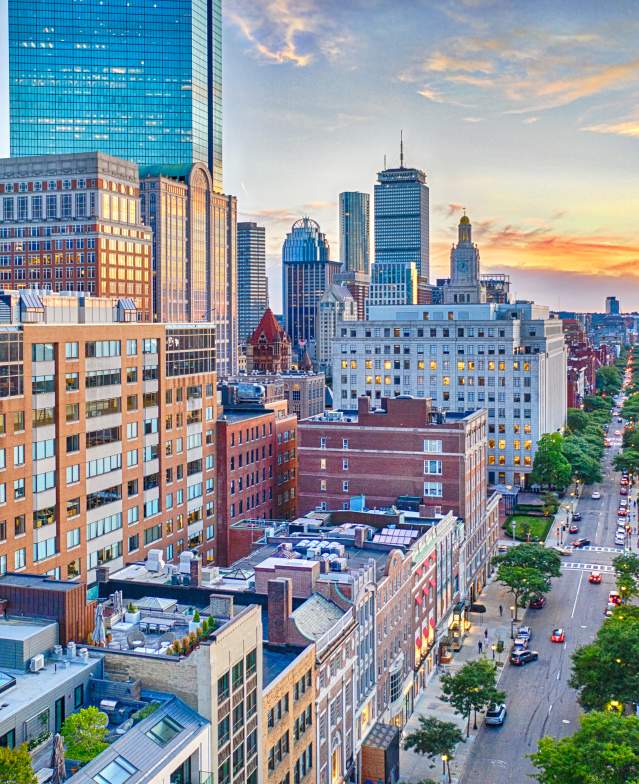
(252,294)
(140,81)
(307,274)
(303,390)
(354,231)
(336,305)
(402,252)
(109,435)
(358,284)
(72,222)
(268,349)
(612,306)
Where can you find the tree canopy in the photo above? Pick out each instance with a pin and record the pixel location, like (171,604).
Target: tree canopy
(535,556)
(608,380)
(550,467)
(604,750)
(15,766)
(471,689)
(627,574)
(435,739)
(85,733)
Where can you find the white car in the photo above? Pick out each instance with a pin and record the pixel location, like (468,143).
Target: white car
(596,495)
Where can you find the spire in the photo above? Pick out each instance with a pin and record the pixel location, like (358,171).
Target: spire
(401,149)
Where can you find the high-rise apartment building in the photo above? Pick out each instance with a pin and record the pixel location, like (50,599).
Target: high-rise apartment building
(354,231)
(141,81)
(308,273)
(252,294)
(108,435)
(401,233)
(72,222)
(612,306)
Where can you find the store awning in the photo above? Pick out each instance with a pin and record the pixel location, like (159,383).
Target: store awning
(477,608)
(419,599)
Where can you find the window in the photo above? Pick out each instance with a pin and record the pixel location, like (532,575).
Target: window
(20,558)
(78,696)
(433,489)
(73,538)
(251,663)
(134,542)
(18,455)
(223,731)
(164,731)
(433,467)
(73,474)
(223,687)
(42,352)
(116,772)
(238,674)
(432,445)
(71,350)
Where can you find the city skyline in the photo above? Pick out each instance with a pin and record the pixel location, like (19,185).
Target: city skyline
(496,106)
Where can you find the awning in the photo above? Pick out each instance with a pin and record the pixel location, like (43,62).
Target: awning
(433,582)
(477,608)
(425,590)
(431,621)
(419,599)
(418,640)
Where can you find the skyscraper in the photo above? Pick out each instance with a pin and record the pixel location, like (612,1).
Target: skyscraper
(252,296)
(136,79)
(612,306)
(401,224)
(307,273)
(354,229)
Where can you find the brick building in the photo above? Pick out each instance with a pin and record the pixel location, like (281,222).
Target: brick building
(256,465)
(107,435)
(304,391)
(268,349)
(404,452)
(72,223)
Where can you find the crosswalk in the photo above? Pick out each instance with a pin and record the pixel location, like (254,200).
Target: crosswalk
(589,567)
(597,549)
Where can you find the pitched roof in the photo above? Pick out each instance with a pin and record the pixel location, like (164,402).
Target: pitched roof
(316,616)
(269,327)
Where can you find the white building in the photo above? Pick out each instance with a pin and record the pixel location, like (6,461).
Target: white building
(337,304)
(510,359)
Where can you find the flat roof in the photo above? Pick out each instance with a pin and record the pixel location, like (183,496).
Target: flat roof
(19,629)
(36,580)
(276,660)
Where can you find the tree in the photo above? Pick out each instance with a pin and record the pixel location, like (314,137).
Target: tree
(85,734)
(607,669)
(583,459)
(628,460)
(533,556)
(627,573)
(524,583)
(435,738)
(577,420)
(15,766)
(473,688)
(608,380)
(597,403)
(604,750)
(550,467)
(550,504)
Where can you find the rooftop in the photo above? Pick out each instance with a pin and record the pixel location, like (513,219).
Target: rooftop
(39,581)
(317,616)
(275,659)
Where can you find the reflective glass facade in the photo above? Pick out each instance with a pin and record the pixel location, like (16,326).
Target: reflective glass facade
(138,79)
(354,220)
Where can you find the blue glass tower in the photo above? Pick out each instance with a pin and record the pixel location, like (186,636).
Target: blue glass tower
(137,79)
(354,239)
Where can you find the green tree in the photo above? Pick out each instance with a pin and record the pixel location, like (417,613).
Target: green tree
(584,460)
(627,574)
(607,669)
(524,583)
(85,733)
(471,689)
(532,556)
(604,750)
(608,380)
(597,403)
(550,467)
(550,504)
(576,420)
(628,460)
(435,738)
(15,766)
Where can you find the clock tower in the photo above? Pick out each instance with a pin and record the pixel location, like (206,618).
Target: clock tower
(464,285)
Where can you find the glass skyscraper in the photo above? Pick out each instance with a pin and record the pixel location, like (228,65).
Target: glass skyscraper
(252,293)
(354,227)
(137,79)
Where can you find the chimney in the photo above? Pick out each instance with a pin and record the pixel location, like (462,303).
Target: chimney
(360,536)
(102,574)
(194,567)
(280,607)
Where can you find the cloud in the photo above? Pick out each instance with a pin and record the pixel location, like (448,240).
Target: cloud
(473,119)
(441,62)
(432,95)
(621,128)
(530,120)
(320,205)
(293,32)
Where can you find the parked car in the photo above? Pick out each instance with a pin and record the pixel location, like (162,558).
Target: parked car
(623,502)
(581,542)
(519,658)
(495,715)
(537,603)
(623,490)
(595,578)
(622,511)
(576,518)
(524,631)
(558,635)
(563,550)
(596,495)
(573,529)
(520,642)
(614,598)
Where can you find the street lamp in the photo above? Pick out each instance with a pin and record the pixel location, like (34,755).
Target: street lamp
(494,648)
(512,622)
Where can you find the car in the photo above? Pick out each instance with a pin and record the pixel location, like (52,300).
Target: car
(524,631)
(495,715)
(581,542)
(623,502)
(563,550)
(621,522)
(537,603)
(502,548)
(595,578)
(622,511)
(619,420)
(520,642)
(558,635)
(576,518)
(596,495)
(608,610)
(573,529)
(519,658)
(607,442)
(614,598)
(623,491)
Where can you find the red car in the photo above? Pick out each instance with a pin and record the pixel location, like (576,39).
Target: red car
(595,578)
(537,603)
(573,529)
(558,635)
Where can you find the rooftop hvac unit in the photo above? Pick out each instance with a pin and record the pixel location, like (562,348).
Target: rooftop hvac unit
(155,562)
(210,574)
(185,562)
(37,663)
(108,706)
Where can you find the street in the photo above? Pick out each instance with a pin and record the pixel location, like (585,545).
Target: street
(539,700)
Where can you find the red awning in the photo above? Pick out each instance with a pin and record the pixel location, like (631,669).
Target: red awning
(425,590)
(432,581)
(431,621)
(418,599)
(418,640)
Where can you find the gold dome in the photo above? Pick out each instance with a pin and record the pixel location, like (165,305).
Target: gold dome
(464,220)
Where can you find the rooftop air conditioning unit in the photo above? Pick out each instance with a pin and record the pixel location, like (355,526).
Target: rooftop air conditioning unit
(155,562)
(37,663)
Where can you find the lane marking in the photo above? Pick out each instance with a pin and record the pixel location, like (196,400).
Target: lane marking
(549,708)
(574,607)
(558,676)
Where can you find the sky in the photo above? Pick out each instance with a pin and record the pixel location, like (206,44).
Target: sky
(525,112)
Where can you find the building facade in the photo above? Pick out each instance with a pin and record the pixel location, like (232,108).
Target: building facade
(354,231)
(336,305)
(252,292)
(108,439)
(152,99)
(268,349)
(358,284)
(72,222)
(304,391)
(612,306)
(308,273)
(510,359)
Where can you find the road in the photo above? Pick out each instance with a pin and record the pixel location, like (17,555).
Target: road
(539,700)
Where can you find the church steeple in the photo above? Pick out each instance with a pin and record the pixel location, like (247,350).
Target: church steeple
(464,230)
(464,286)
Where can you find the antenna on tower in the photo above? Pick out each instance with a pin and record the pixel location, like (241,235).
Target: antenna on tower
(401,149)
(384,161)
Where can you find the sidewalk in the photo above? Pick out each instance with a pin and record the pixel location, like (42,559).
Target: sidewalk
(415,767)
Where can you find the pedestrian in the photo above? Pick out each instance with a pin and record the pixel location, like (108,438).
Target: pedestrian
(479,645)
(501,611)
(485,634)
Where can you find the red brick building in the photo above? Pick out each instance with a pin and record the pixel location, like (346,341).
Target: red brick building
(268,350)
(584,359)
(257,467)
(409,453)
